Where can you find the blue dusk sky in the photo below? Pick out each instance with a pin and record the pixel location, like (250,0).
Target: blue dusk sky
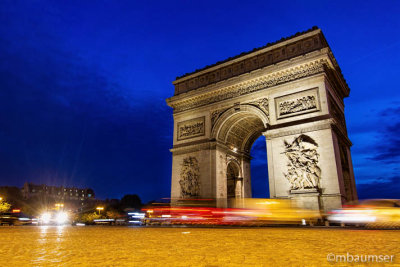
(83,85)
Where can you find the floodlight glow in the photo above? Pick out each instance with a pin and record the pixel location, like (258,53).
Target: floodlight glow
(61,217)
(45,218)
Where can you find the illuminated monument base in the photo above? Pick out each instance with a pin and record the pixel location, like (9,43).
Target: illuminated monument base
(291,92)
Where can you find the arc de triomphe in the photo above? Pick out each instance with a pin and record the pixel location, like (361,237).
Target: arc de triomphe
(290,91)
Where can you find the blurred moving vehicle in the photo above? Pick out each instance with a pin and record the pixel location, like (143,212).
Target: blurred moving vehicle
(242,212)
(135,218)
(371,213)
(14,218)
(276,211)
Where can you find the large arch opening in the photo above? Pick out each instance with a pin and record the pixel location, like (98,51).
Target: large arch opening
(239,127)
(240,131)
(259,169)
(237,130)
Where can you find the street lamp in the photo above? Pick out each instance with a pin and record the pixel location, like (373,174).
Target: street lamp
(100,209)
(59,205)
(1,199)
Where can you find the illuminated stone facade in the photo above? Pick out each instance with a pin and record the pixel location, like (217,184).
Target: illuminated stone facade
(291,92)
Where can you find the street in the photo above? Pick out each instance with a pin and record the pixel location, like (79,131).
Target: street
(126,246)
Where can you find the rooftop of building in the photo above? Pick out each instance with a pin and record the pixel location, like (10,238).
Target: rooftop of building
(55,187)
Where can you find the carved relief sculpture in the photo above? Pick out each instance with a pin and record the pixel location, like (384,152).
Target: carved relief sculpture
(298,103)
(191,128)
(303,171)
(189,182)
(215,115)
(262,104)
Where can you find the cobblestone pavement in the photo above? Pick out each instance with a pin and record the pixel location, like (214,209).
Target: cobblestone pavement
(124,246)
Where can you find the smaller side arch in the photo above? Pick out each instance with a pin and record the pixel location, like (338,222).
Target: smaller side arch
(233,180)
(237,165)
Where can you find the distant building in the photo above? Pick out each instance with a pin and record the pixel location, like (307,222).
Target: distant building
(57,192)
(46,195)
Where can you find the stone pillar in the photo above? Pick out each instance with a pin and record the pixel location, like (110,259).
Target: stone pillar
(352,179)
(307,198)
(239,187)
(221,178)
(270,162)
(246,178)
(194,163)
(302,165)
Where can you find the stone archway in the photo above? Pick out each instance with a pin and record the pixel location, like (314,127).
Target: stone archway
(239,126)
(233,184)
(291,92)
(235,130)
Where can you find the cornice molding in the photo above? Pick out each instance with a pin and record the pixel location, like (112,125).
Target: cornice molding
(319,125)
(211,145)
(270,80)
(193,148)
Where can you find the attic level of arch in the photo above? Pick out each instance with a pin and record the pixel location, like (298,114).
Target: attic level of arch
(291,48)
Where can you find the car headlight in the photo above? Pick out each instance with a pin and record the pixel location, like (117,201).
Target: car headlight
(61,217)
(46,217)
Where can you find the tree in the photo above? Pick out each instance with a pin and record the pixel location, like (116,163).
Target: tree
(131,201)
(13,195)
(112,214)
(89,218)
(4,206)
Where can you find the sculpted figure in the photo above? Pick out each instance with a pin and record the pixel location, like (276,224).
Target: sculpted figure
(303,171)
(189,182)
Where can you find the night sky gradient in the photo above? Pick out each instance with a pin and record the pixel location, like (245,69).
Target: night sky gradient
(83,85)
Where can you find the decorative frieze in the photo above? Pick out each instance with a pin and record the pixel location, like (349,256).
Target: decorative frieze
(273,56)
(303,171)
(273,79)
(191,128)
(190,178)
(297,104)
